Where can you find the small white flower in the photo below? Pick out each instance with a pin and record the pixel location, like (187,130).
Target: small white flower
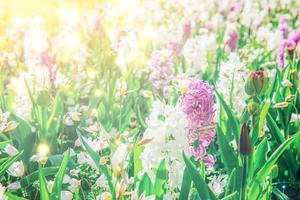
(68,121)
(83,157)
(66,179)
(50,185)
(10,150)
(74,184)
(39,158)
(91,128)
(295,118)
(101,181)
(6,125)
(66,195)
(14,186)
(217,184)
(16,169)
(168,196)
(74,172)
(2,192)
(97,145)
(77,143)
(119,156)
(72,152)
(75,116)
(71,117)
(105,196)
(9,126)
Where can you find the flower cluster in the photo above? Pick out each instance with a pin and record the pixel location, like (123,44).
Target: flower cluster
(287,46)
(198,105)
(233,70)
(161,65)
(166,141)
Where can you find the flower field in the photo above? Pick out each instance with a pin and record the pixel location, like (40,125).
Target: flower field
(149,99)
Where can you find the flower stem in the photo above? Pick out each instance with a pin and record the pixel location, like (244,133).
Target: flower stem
(244,179)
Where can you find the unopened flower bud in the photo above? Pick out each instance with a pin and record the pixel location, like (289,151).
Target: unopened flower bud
(43,160)
(244,142)
(289,98)
(253,107)
(106,196)
(287,83)
(256,83)
(281,105)
(117,171)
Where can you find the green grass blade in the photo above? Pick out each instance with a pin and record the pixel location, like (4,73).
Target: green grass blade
(185,186)
(232,119)
(266,169)
(56,191)
(44,194)
(13,197)
(201,186)
(280,195)
(145,186)
(29,179)
(160,180)
(228,155)
(260,154)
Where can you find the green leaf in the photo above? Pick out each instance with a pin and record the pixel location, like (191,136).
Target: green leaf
(230,196)
(228,155)
(160,180)
(232,119)
(77,196)
(13,197)
(266,169)
(231,187)
(2,160)
(30,94)
(9,162)
(139,114)
(23,135)
(279,138)
(137,164)
(201,186)
(22,130)
(56,191)
(275,131)
(43,185)
(4,143)
(145,186)
(185,186)
(257,130)
(262,116)
(29,179)
(53,122)
(260,154)
(279,194)
(274,172)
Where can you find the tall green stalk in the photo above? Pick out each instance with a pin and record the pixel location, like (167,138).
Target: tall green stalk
(244,179)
